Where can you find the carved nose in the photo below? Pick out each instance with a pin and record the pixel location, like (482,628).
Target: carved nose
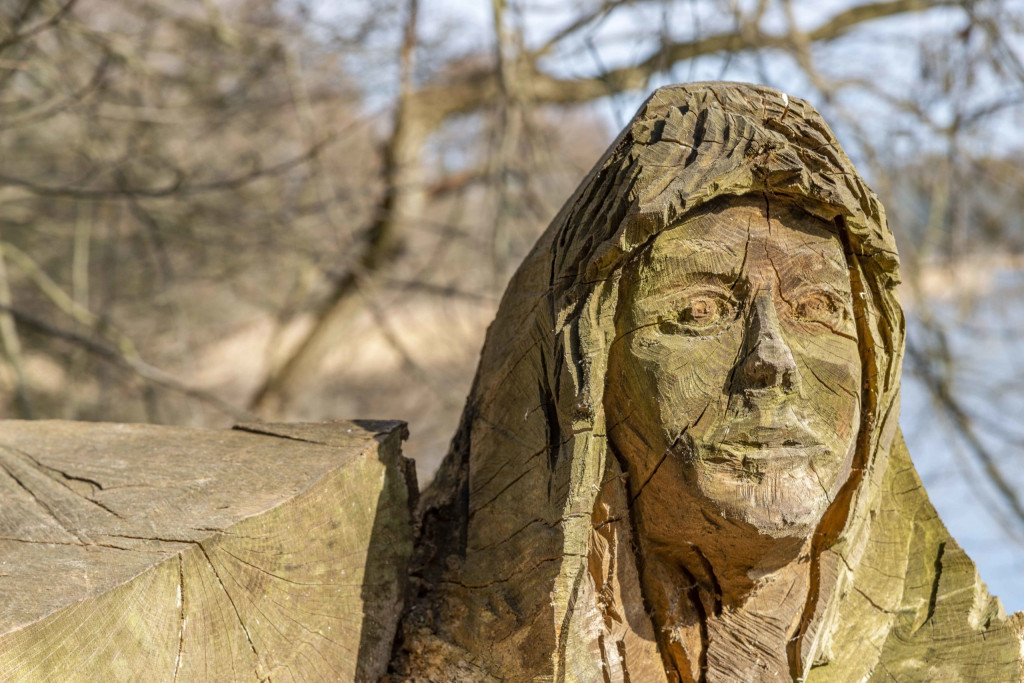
(768,363)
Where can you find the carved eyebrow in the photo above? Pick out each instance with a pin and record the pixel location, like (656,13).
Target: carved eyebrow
(812,247)
(698,256)
(685,275)
(802,262)
(695,245)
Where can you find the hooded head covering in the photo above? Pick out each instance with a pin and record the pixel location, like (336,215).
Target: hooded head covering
(526,561)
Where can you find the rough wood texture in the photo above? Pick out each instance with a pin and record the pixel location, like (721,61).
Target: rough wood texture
(680,459)
(134,552)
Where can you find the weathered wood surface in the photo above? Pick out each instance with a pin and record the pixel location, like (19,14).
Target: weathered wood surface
(136,552)
(680,459)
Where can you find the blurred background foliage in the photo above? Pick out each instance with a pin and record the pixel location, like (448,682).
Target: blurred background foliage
(304,210)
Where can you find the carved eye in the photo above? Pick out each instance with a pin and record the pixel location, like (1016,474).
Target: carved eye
(700,313)
(818,306)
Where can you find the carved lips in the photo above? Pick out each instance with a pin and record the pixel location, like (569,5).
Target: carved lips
(768,443)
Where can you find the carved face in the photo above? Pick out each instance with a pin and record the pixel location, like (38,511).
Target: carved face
(734,380)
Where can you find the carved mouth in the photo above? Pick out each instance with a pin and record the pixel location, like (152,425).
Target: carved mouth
(734,452)
(766,445)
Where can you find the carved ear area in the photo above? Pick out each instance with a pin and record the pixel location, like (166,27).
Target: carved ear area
(768,362)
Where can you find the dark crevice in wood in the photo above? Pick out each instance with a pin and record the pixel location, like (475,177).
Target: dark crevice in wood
(716,589)
(694,596)
(282,578)
(501,492)
(621,648)
(50,468)
(536,520)
(62,478)
(638,556)
(155,538)
(480,486)
(871,601)
(104,506)
(92,544)
(933,597)
(668,451)
(605,673)
(253,429)
(823,383)
(551,424)
(507,577)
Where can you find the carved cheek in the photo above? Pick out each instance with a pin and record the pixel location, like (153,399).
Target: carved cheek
(831,373)
(682,376)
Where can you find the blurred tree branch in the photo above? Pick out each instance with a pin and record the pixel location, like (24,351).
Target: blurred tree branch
(479,88)
(136,365)
(177,187)
(403,196)
(18,34)
(927,362)
(503,88)
(12,345)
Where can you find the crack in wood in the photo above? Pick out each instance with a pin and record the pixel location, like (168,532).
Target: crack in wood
(50,468)
(253,429)
(181,615)
(49,472)
(234,607)
(510,576)
(282,578)
(668,451)
(871,601)
(693,595)
(835,518)
(933,596)
(502,491)
(44,505)
(562,635)
(92,544)
(508,538)
(716,589)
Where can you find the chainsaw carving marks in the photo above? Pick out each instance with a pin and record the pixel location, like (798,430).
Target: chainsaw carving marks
(680,459)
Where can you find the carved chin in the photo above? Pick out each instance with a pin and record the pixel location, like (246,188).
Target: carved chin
(780,497)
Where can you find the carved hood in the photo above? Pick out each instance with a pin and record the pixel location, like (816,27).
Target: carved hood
(526,563)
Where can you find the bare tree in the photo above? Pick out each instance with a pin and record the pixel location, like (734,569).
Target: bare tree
(212,208)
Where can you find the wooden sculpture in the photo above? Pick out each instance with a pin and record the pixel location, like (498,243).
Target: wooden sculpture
(680,458)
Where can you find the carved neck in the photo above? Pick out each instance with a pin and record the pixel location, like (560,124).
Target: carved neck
(708,631)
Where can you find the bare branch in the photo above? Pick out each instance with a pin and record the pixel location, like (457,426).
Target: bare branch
(47,23)
(137,366)
(942,391)
(477,89)
(178,187)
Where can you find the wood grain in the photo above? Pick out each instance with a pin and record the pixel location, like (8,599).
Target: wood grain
(136,552)
(610,509)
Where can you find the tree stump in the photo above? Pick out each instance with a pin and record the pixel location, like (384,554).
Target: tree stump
(269,552)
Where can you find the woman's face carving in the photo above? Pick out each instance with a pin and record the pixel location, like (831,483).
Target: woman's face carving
(734,380)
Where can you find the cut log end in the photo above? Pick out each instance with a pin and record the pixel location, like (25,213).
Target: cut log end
(269,551)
